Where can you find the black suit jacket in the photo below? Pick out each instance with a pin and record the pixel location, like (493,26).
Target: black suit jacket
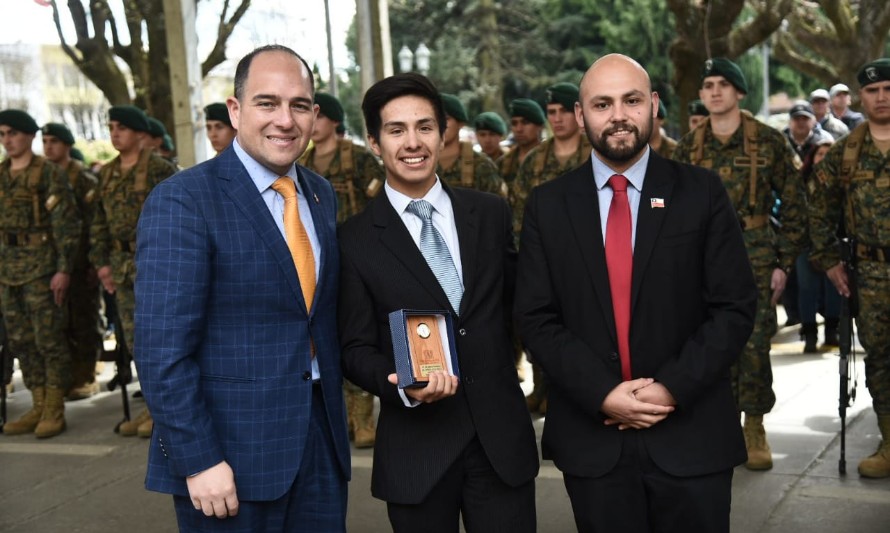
(693,301)
(382,271)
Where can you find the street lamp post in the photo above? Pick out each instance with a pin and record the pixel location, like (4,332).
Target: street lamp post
(420,58)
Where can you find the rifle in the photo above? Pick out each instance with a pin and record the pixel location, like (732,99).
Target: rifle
(4,350)
(847,348)
(122,356)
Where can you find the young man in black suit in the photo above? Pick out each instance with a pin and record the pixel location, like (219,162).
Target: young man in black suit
(636,297)
(452,447)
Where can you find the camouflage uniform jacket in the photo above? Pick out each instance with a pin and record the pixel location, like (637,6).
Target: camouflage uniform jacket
(355,182)
(39,223)
(508,166)
(541,165)
(121,195)
(86,191)
(869,194)
(776,172)
(668,145)
(485,176)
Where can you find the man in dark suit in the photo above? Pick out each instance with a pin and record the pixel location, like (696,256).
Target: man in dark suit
(636,301)
(445,449)
(236,325)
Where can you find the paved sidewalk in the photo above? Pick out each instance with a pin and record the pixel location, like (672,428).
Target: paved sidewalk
(90,480)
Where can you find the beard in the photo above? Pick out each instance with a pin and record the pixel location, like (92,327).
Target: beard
(628,147)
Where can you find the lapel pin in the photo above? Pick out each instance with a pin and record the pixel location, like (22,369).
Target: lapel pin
(656,203)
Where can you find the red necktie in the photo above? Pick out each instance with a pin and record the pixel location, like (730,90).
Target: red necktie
(619,261)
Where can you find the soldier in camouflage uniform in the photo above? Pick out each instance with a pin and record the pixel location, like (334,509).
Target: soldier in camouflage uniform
(124,183)
(39,230)
(565,151)
(357,176)
(659,141)
(526,123)
(755,162)
(459,164)
(82,309)
(853,185)
(490,130)
(220,132)
(697,113)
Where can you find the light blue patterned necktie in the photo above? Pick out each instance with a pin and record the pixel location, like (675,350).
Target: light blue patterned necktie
(435,251)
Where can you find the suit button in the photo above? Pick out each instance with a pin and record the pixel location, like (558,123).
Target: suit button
(307,375)
(463,332)
(613,356)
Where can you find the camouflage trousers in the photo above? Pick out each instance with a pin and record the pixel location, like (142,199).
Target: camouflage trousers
(873,325)
(36,329)
(125,297)
(84,330)
(752,375)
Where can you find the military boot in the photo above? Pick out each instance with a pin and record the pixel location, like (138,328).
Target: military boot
(363,417)
(53,420)
(809,332)
(831,338)
(28,421)
(130,428)
(759,455)
(349,397)
(877,465)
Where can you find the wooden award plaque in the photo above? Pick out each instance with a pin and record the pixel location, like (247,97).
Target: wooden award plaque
(425,345)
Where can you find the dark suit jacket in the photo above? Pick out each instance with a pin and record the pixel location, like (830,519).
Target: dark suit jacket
(222,334)
(693,301)
(383,271)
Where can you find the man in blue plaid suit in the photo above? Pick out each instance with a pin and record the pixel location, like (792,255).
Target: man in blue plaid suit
(244,383)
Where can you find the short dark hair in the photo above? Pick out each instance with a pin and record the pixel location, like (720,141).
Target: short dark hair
(388,89)
(243,68)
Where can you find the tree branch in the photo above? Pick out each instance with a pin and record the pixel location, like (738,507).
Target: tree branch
(218,54)
(841,17)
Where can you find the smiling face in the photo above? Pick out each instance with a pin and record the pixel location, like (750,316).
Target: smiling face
(275,114)
(617,107)
(409,144)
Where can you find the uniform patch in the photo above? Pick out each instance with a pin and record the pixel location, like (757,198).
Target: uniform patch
(90,196)
(882,182)
(52,202)
(864,175)
(822,176)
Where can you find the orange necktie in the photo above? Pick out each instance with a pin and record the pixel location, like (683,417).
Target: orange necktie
(297,238)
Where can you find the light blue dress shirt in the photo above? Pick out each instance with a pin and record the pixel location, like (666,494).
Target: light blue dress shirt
(635,175)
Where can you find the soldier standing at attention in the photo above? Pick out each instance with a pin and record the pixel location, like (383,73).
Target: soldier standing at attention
(357,177)
(697,113)
(526,123)
(853,185)
(124,183)
(563,152)
(39,228)
(659,141)
(219,126)
(755,162)
(82,318)
(459,164)
(490,130)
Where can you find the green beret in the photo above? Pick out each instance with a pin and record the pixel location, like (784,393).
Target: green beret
(156,128)
(720,66)
(490,121)
(168,143)
(76,154)
(527,109)
(564,93)
(340,129)
(59,131)
(218,111)
(697,107)
(662,110)
(129,116)
(454,109)
(19,121)
(877,70)
(329,106)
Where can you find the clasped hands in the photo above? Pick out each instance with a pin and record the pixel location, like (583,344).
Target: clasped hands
(638,404)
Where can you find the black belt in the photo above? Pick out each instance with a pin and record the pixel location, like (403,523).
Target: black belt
(873,253)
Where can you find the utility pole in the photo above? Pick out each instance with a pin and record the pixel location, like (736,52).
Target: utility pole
(332,75)
(185,81)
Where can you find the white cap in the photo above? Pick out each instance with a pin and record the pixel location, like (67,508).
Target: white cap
(819,94)
(839,88)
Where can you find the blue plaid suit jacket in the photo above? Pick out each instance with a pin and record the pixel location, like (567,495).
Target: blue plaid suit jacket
(222,340)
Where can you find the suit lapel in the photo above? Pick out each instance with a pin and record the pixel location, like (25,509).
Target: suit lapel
(466,220)
(395,237)
(582,206)
(241,190)
(657,184)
